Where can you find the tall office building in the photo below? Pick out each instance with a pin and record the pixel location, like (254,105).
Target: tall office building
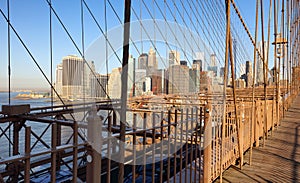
(158,82)
(249,67)
(131,76)
(260,64)
(214,70)
(195,76)
(140,81)
(194,80)
(114,83)
(99,86)
(197,64)
(200,57)
(249,74)
(213,61)
(174,58)
(58,79)
(222,70)
(183,62)
(178,79)
(76,77)
(152,61)
(143,61)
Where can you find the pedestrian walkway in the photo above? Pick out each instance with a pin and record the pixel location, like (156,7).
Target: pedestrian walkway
(279,159)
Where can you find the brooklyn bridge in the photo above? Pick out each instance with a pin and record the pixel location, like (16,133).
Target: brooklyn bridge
(149,91)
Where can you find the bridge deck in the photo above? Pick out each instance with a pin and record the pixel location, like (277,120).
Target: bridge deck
(279,160)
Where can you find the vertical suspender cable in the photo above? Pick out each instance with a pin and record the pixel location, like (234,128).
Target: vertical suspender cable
(267,54)
(237,121)
(106,44)
(264,71)
(287,48)
(275,61)
(9,67)
(8,53)
(253,82)
(227,3)
(51,53)
(167,60)
(141,27)
(283,58)
(84,78)
(167,53)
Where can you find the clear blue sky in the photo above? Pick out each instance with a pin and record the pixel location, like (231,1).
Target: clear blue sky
(31,20)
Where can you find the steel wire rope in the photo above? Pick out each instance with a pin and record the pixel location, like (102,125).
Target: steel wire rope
(197,14)
(208,37)
(51,53)
(235,34)
(182,31)
(9,69)
(164,16)
(247,30)
(211,39)
(33,59)
(29,52)
(214,40)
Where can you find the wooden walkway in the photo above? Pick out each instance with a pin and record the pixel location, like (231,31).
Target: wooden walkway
(279,160)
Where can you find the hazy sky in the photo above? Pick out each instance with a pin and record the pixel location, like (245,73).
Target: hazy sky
(30,18)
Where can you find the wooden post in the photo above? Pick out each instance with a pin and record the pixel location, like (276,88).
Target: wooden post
(16,129)
(53,153)
(75,151)
(256,122)
(27,154)
(207,146)
(94,150)
(241,136)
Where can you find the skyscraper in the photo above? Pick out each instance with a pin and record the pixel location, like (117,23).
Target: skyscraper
(75,77)
(152,61)
(131,76)
(183,62)
(249,74)
(194,80)
(200,58)
(260,64)
(158,82)
(140,81)
(197,64)
(143,61)
(248,67)
(178,79)
(213,60)
(99,86)
(58,81)
(114,83)
(174,58)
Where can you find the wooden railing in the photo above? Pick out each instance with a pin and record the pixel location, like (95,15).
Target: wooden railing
(253,130)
